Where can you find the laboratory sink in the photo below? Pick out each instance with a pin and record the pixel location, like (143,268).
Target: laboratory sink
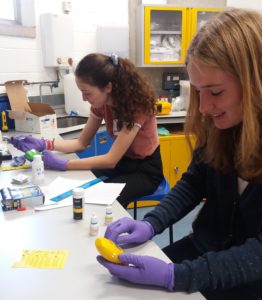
(70,121)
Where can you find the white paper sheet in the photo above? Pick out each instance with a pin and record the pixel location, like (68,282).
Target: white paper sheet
(103,193)
(100,193)
(57,187)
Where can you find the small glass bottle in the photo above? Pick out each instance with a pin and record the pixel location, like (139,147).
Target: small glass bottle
(38,174)
(94,227)
(78,196)
(108,215)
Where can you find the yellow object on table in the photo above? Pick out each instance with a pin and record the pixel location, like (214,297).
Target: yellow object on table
(9,168)
(109,250)
(163,107)
(42,259)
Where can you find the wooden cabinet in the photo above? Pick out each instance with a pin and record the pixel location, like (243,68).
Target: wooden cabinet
(165,33)
(176,156)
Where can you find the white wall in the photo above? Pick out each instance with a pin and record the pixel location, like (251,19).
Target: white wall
(251,4)
(21,58)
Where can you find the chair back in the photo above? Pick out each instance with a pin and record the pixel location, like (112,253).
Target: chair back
(160,192)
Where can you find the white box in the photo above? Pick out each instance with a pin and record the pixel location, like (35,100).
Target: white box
(45,125)
(30,117)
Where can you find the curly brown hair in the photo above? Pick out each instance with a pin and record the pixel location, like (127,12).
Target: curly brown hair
(131,92)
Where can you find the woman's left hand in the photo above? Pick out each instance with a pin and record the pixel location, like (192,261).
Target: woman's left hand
(139,269)
(52,161)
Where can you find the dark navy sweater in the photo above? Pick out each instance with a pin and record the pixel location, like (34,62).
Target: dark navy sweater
(227,230)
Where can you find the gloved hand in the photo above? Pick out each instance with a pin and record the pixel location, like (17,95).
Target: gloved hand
(139,269)
(26,143)
(52,161)
(138,231)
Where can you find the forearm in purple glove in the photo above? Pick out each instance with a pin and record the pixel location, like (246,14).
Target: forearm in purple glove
(52,161)
(26,143)
(138,231)
(139,269)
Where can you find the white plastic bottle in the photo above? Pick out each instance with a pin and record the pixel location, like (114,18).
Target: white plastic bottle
(108,215)
(78,199)
(38,174)
(94,227)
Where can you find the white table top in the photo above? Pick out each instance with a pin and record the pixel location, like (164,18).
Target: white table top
(82,277)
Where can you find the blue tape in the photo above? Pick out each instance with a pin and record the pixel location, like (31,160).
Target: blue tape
(84,186)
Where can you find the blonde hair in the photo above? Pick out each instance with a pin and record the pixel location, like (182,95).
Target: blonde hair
(232,42)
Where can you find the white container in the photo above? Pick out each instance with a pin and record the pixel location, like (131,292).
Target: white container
(38,174)
(94,227)
(73,97)
(78,199)
(57,39)
(108,215)
(185,92)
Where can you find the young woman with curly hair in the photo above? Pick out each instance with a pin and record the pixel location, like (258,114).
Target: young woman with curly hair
(120,96)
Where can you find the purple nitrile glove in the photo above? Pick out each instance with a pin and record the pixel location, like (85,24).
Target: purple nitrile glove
(138,231)
(52,161)
(26,143)
(140,269)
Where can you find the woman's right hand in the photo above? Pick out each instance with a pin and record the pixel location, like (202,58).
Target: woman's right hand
(27,142)
(127,230)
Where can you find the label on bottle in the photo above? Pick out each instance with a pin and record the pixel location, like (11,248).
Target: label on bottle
(108,219)
(94,229)
(38,174)
(78,208)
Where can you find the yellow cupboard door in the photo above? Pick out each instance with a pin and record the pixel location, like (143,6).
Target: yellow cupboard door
(164,35)
(199,16)
(180,157)
(165,150)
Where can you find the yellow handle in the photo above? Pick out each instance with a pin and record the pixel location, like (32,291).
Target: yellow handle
(4,122)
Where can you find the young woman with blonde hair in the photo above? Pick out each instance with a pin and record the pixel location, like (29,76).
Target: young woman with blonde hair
(222,257)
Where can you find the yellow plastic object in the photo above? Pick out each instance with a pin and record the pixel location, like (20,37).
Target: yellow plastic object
(9,168)
(109,250)
(163,107)
(4,122)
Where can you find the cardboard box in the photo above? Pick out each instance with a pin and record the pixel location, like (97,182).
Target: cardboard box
(28,196)
(29,117)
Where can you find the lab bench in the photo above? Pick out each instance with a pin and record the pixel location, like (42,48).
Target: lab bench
(82,277)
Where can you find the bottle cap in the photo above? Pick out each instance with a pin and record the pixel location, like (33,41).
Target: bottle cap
(109,208)
(78,192)
(37,157)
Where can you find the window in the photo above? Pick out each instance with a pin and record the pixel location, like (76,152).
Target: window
(7,11)
(17,18)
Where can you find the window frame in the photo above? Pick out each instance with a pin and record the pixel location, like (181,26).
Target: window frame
(16,28)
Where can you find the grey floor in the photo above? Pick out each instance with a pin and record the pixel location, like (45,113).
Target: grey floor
(180,229)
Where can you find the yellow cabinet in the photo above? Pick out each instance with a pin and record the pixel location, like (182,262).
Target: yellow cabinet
(164,33)
(176,156)
(199,16)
